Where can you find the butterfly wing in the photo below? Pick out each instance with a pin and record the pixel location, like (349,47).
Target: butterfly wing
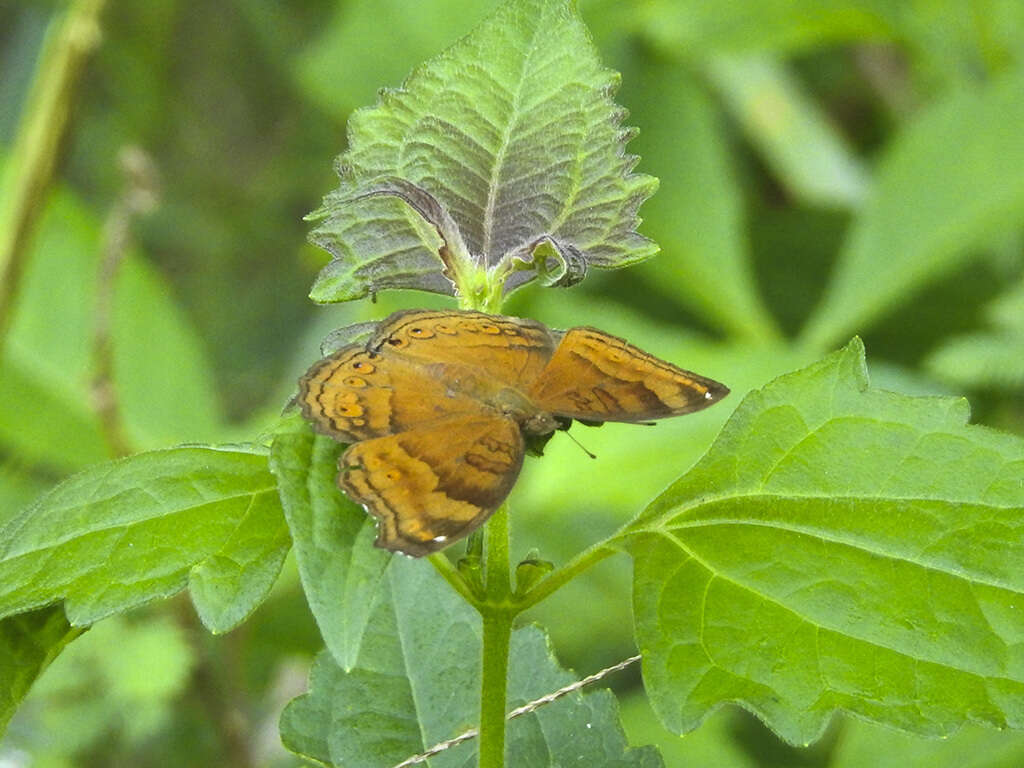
(431,485)
(356,394)
(594,376)
(508,350)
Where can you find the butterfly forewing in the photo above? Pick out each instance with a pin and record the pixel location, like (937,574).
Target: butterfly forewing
(509,351)
(431,485)
(356,394)
(594,376)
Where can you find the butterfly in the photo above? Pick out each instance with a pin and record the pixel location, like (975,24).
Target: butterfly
(440,408)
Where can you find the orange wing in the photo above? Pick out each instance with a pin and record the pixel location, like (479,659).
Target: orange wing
(432,485)
(510,351)
(594,376)
(356,394)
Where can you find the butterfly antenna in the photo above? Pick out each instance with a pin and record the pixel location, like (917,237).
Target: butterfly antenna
(591,455)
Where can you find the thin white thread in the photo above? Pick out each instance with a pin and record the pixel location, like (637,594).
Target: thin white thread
(523,710)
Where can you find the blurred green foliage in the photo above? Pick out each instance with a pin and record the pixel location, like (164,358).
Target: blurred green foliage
(827,168)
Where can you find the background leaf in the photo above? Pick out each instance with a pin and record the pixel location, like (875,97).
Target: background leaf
(698,215)
(865,544)
(413,687)
(945,187)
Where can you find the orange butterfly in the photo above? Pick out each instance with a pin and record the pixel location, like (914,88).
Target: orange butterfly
(440,405)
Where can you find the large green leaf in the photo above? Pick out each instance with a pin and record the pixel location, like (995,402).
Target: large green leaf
(417,683)
(838,547)
(510,139)
(339,566)
(28,643)
(122,533)
(946,185)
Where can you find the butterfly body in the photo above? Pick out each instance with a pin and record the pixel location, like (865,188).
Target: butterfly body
(440,405)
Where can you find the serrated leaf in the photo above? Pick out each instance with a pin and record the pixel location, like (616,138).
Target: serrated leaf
(945,186)
(513,131)
(838,547)
(28,643)
(338,564)
(417,683)
(122,533)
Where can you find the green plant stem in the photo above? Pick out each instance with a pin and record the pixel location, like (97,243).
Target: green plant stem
(33,156)
(563,575)
(497,614)
(497,626)
(450,574)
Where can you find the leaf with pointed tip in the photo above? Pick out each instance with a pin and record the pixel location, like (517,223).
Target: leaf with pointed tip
(126,532)
(949,183)
(340,568)
(513,131)
(417,684)
(839,547)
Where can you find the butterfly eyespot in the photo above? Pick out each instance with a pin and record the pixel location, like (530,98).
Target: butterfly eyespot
(363,367)
(355,381)
(393,475)
(447,330)
(489,329)
(394,341)
(358,422)
(350,410)
(511,332)
(421,333)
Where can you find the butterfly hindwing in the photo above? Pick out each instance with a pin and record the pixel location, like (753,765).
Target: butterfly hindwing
(431,485)
(594,376)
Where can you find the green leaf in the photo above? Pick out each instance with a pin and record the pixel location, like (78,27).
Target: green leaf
(45,367)
(990,358)
(759,25)
(338,564)
(862,744)
(163,380)
(809,157)
(28,643)
(698,214)
(417,683)
(122,533)
(838,547)
(946,185)
(513,132)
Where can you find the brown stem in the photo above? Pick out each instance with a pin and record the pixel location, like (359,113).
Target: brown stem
(38,144)
(138,196)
